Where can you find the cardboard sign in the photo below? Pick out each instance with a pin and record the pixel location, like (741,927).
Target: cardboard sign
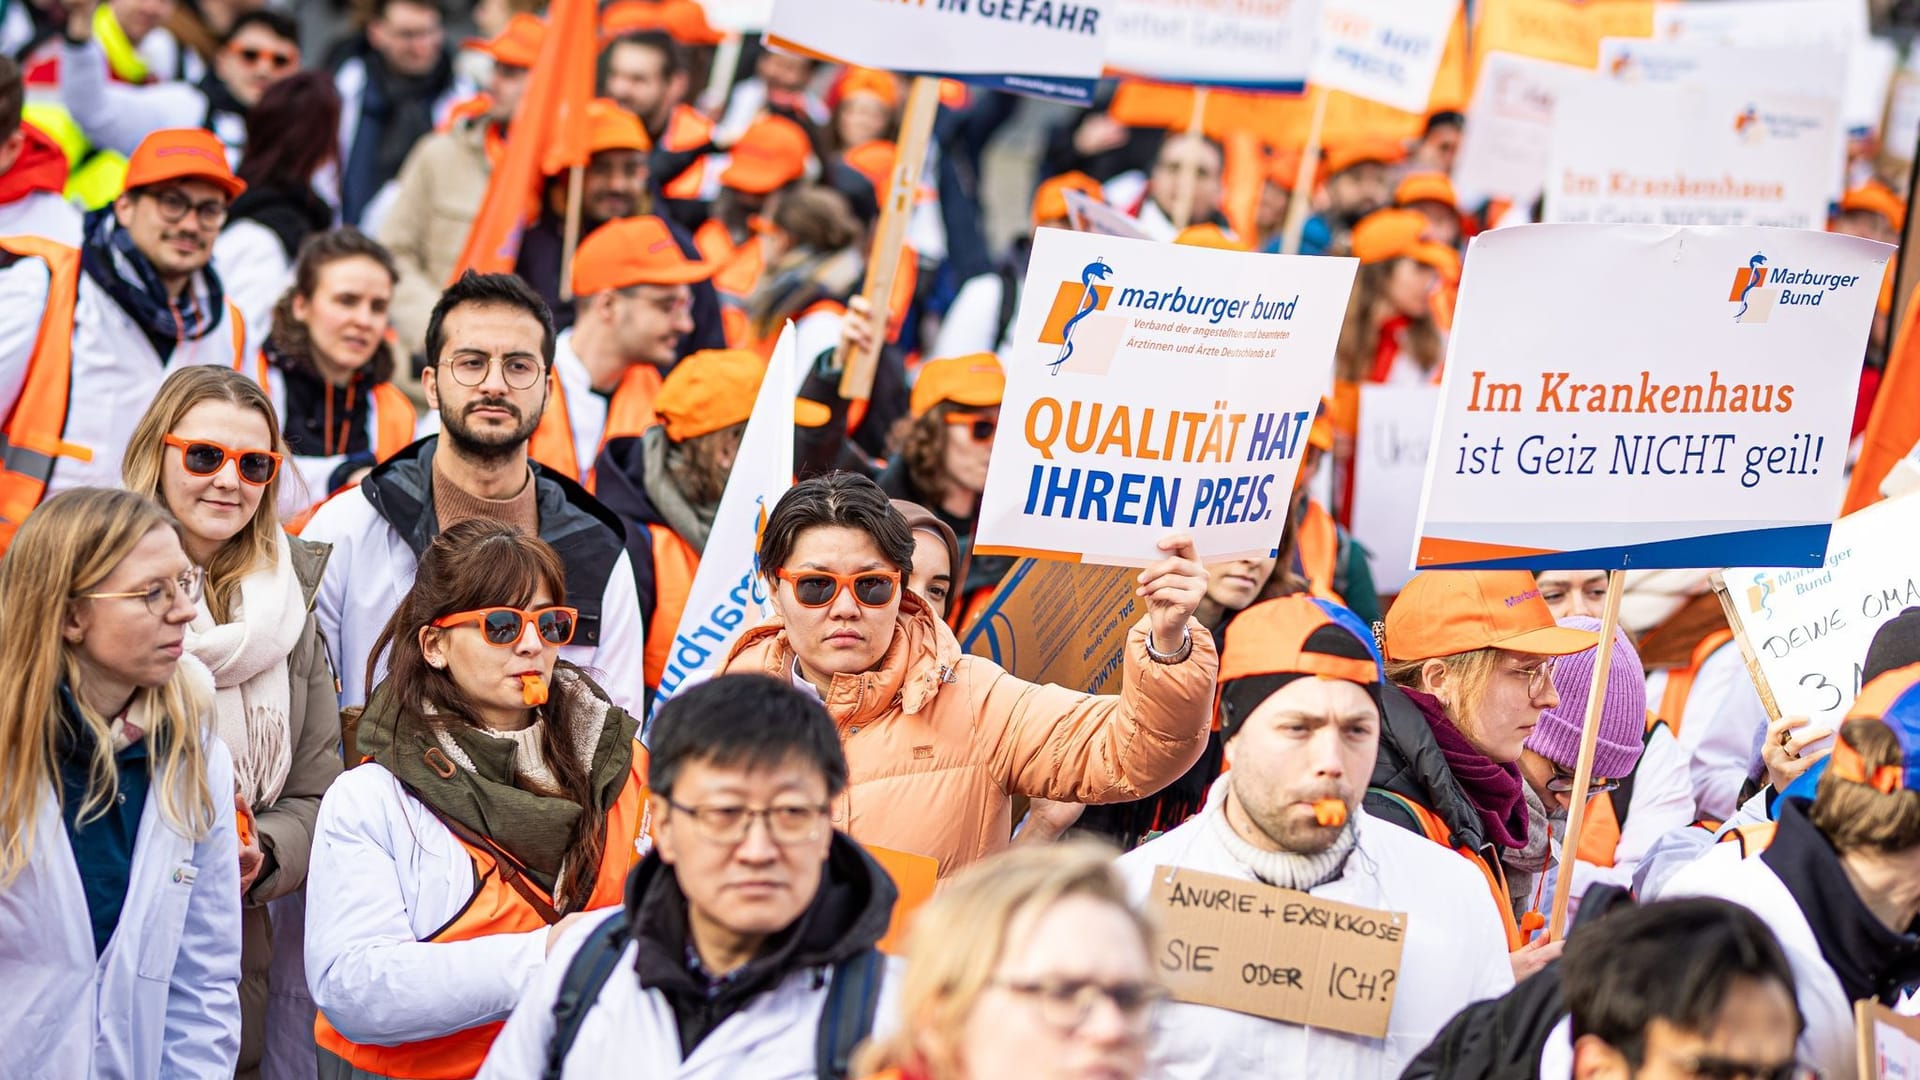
(1277,953)
(1889,1044)
(1265,46)
(1385,50)
(1092,216)
(1692,154)
(915,877)
(1054,622)
(1809,629)
(1640,396)
(1390,452)
(1901,129)
(1041,48)
(1505,147)
(1157,388)
(1563,31)
(728,595)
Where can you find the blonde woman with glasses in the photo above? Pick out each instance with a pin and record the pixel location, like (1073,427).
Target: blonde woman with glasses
(1027,964)
(119,863)
(209,450)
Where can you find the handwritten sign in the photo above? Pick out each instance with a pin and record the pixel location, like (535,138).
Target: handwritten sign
(1639,396)
(1508,140)
(1055,622)
(1809,629)
(1277,953)
(1889,1044)
(1385,50)
(1155,388)
(1390,452)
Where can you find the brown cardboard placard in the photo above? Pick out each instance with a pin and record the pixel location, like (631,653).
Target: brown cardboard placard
(1276,953)
(1058,622)
(1889,1044)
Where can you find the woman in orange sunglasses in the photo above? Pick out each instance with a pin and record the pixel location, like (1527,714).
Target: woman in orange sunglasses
(498,795)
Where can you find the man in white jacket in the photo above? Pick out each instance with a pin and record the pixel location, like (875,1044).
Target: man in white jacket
(490,344)
(1300,712)
(746,947)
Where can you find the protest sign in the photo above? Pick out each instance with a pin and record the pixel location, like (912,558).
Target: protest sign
(1809,629)
(1055,622)
(1396,430)
(1692,154)
(1157,388)
(1092,216)
(1889,1044)
(1385,50)
(1277,953)
(1901,128)
(1266,46)
(728,594)
(1042,48)
(1640,396)
(1563,31)
(1505,146)
(1834,25)
(1813,70)
(739,16)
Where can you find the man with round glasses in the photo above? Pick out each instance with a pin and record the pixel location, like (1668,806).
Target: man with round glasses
(87,336)
(747,943)
(490,346)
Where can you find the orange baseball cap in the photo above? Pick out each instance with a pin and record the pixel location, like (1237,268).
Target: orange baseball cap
(772,153)
(863,80)
(707,391)
(1050,202)
(1874,197)
(633,251)
(1346,155)
(682,20)
(182,154)
(517,45)
(1447,612)
(976,380)
(1426,187)
(1399,233)
(1283,168)
(1209,235)
(611,127)
(1271,638)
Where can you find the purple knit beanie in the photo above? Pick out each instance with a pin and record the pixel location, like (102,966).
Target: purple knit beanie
(1623,713)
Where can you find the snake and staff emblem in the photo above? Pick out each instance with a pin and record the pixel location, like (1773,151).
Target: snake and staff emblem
(1096,270)
(1756,274)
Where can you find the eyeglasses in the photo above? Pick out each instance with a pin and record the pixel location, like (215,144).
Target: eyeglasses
(161,596)
(1065,1004)
(275,59)
(174,205)
(791,824)
(520,372)
(204,458)
(818,588)
(1539,677)
(1706,1067)
(1561,782)
(504,626)
(983,426)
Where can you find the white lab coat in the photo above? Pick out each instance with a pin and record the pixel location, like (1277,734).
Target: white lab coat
(117,116)
(42,213)
(1662,802)
(1719,725)
(255,271)
(586,410)
(163,1000)
(1456,954)
(372,568)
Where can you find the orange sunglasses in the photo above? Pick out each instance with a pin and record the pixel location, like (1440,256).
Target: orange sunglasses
(503,626)
(818,588)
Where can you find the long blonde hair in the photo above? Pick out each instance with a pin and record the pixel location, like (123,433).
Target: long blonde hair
(959,937)
(256,545)
(68,546)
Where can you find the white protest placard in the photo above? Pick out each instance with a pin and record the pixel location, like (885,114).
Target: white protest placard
(1814,70)
(1154,388)
(1285,955)
(1648,397)
(1386,50)
(1390,464)
(1762,22)
(1505,146)
(739,16)
(1810,628)
(1042,48)
(1089,215)
(1263,46)
(1692,154)
(1888,1044)
(728,595)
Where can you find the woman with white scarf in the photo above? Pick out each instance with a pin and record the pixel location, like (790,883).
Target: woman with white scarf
(209,450)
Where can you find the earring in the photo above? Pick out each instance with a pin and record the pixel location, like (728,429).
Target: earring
(435,664)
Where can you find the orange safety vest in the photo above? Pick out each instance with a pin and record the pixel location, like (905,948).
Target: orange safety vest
(497,907)
(674,564)
(1600,834)
(741,266)
(1436,830)
(686,129)
(1319,543)
(394,421)
(629,413)
(1673,700)
(31,440)
(1753,839)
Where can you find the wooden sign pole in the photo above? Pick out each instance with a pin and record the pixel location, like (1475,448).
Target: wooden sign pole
(890,235)
(1302,199)
(1583,771)
(570,239)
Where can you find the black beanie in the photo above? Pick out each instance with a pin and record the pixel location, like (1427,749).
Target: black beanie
(1895,645)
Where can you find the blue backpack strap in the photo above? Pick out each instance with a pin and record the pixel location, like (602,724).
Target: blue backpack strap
(587,973)
(853,995)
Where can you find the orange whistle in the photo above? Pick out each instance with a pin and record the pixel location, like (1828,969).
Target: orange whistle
(1331,813)
(533,690)
(243,823)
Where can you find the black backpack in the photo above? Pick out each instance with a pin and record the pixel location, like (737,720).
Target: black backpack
(853,994)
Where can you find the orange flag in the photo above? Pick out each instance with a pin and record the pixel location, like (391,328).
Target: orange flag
(548,133)
(1894,425)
